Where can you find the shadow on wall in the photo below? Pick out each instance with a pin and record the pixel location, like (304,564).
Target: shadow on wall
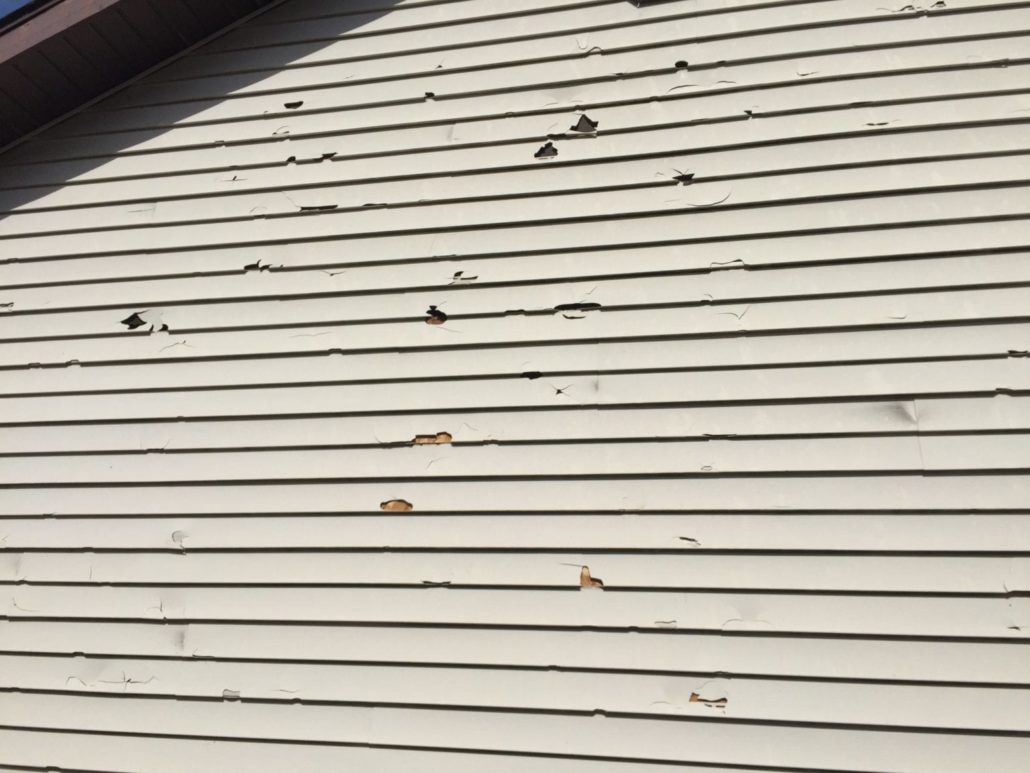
(83,143)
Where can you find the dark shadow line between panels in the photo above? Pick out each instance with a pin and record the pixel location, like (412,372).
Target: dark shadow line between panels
(265,741)
(463,410)
(532,443)
(638,630)
(518,667)
(535,375)
(430,585)
(566,551)
(722,512)
(523,710)
(942,472)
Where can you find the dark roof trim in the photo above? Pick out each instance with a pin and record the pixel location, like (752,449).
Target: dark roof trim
(57,55)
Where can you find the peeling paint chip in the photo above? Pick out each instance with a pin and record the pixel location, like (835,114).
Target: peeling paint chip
(586,581)
(440,438)
(230,695)
(548,150)
(396,506)
(585,125)
(434,316)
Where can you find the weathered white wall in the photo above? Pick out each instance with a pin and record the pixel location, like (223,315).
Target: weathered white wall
(792,441)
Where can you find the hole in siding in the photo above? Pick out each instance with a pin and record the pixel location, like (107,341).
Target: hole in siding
(685,178)
(440,438)
(396,506)
(259,266)
(681,64)
(585,125)
(586,581)
(548,150)
(430,96)
(318,207)
(532,375)
(144,318)
(293,105)
(459,276)
(133,321)
(6,306)
(434,316)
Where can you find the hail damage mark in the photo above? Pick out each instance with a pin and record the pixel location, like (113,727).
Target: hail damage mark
(547,150)
(396,506)
(585,125)
(434,316)
(586,581)
(147,317)
(439,438)
(584,306)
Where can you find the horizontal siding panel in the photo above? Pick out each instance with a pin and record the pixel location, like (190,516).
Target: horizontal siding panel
(1011,452)
(654,166)
(323,336)
(896,242)
(667,651)
(610,530)
(42,748)
(637,215)
(700,423)
(582,735)
(569,198)
(519,690)
(893,574)
(575,608)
